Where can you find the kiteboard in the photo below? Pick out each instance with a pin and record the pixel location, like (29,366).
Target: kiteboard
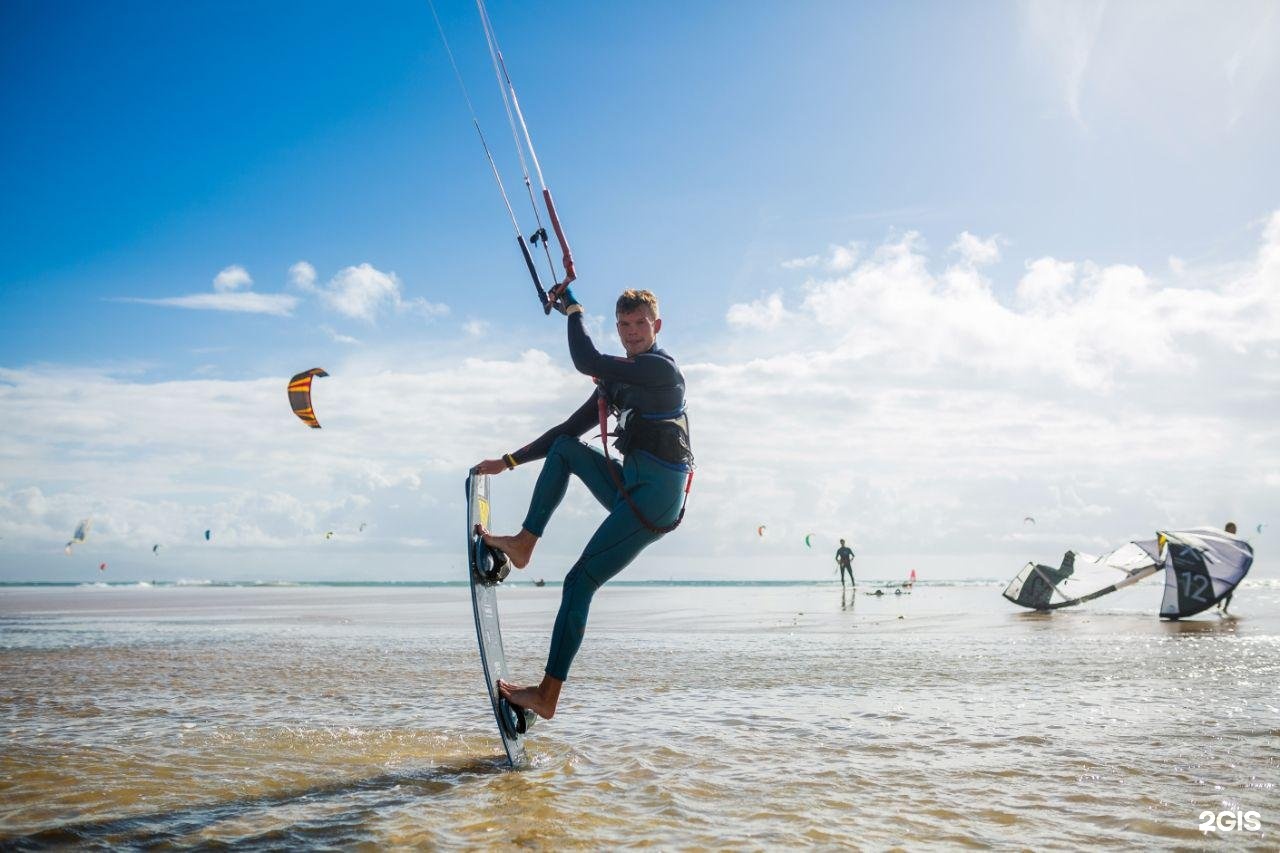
(487,568)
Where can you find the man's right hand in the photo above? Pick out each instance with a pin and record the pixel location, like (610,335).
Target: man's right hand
(490,466)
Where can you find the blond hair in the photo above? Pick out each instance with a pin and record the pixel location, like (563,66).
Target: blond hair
(633,300)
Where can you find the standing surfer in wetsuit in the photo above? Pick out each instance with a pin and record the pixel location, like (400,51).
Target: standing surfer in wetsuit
(645,390)
(1230,528)
(844,557)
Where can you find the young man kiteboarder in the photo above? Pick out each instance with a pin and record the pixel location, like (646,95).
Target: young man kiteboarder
(644,492)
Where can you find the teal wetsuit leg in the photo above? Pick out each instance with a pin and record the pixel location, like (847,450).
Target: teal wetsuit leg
(569,456)
(658,491)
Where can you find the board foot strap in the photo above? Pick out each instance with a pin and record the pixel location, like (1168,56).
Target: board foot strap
(490,565)
(515,720)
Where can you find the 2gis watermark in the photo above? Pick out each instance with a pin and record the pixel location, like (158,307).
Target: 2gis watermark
(1230,821)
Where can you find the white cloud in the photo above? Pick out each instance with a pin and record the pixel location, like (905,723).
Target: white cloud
(279,304)
(360,292)
(766,313)
(802,263)
(906,406)
(363,292)
(837,259)
(976,252)
(424,308)
(303,277)
(1187,68)
(234,277)
(1078,323)
(1064,33)
(230,293)
(842,258)
(918,409)
(1043,290)
(1254,56)
(338,337)
(161,462)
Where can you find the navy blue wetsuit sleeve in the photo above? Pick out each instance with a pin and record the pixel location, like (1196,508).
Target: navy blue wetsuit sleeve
(641,370)
(579,422)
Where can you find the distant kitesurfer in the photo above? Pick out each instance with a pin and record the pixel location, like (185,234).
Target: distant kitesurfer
(1230,527)
(844,558)
(645,390)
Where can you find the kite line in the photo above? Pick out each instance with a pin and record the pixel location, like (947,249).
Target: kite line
(524,142)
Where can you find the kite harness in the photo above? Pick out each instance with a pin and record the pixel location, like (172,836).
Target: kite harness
(602,407)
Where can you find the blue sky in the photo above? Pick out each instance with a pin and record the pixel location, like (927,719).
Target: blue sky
(866,222)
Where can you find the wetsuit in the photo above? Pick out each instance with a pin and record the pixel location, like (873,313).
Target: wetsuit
(646,393)
(844,557)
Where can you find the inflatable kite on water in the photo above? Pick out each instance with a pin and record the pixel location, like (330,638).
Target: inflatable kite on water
(1202,566)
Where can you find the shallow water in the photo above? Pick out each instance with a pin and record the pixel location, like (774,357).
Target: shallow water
(743,717)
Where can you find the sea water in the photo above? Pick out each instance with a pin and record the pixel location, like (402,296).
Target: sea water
(743,716)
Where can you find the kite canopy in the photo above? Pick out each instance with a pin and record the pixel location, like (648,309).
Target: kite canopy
(1082,577)
(81,534)
(807,543)
(300,395)
(102,567)
(1202,566)
(1028,520)
(760,530)
(207,534)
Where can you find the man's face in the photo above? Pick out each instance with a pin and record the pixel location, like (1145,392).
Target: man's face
(637,331)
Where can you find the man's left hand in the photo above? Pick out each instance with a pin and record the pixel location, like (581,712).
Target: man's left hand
(563,299)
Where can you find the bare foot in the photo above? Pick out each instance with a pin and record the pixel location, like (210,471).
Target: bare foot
(541,700)
(518,548)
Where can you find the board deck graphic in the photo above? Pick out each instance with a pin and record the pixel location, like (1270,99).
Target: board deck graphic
(486,570)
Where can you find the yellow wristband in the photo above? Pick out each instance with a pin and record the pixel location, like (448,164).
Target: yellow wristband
(510,460)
